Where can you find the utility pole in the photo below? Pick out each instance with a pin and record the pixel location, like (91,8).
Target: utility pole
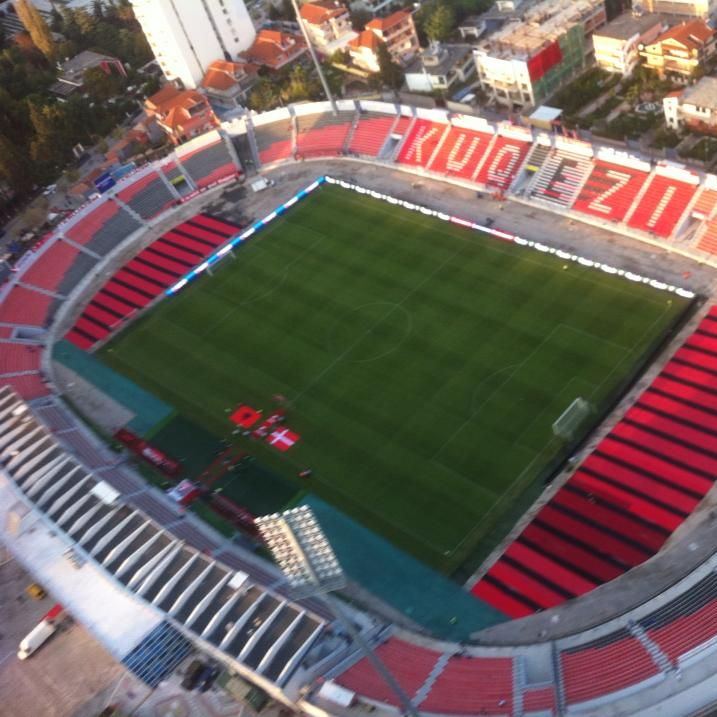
(315,59)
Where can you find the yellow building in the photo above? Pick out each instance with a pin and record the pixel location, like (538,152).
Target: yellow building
(679,52)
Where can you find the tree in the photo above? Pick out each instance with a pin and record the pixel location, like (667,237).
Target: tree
(359,18)
(37,27)
(55,20)
(390,74)
(439,21)
(100,85)
(263,95)
(97,10)
(14,166)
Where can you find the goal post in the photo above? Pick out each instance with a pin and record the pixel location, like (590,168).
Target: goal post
(571,419)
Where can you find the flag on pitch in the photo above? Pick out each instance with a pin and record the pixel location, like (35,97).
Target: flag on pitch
(245,416)
(282,439)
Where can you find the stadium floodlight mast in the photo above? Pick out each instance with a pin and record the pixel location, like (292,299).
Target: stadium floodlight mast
(312,569)
(315,59)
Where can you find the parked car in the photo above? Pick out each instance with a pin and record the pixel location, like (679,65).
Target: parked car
(191,676)
(207,677)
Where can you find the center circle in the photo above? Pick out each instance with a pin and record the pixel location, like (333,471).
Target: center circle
(370,331)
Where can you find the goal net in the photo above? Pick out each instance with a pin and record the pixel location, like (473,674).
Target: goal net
(571,419)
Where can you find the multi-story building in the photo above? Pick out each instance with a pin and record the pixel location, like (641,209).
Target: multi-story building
(397,31)
(681,51)
(186,36)
(617,43)
(328,25)
(274,49)
(704,9)
(538,50)
(694,107)
(181,114)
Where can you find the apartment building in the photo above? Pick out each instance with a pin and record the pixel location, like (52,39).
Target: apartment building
(681,51)
(538,50)
(617,43)
(186,36)
(328,24)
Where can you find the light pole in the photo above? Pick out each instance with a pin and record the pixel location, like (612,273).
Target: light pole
(311,568)
(312,52)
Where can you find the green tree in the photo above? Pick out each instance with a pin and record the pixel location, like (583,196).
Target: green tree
(97,10)
(439,21)
(263,95)
(390,74)
(100,85)
(55,20)
(14,166)
(37,27)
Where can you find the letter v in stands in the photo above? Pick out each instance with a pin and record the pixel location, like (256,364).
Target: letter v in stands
(283,439)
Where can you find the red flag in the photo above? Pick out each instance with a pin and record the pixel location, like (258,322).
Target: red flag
(283,439)
(245,416)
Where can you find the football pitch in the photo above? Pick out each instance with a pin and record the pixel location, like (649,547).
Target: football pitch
(424,364)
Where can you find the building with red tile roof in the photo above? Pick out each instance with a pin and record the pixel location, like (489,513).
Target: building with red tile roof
(680,51)
(328,24)
(274,49)
(226,83)
(397,31)
(181,114)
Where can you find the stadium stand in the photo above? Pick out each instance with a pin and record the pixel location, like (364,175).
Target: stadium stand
(19,358)
(147,195)
(542,700)
(421,142)
(686,624)
(502,162)
(638,485)
(561,177)
(461,153)
(604,666)
(47,271)
(324,134)
(662,205)
(454,691)
(176,177)
(102,228)
(370,134)
(25,307)
(29,387)
(207,160)
(147,275)
(610,190)
(410,664)
(274,139)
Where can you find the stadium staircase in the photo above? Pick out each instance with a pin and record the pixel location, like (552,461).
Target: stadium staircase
(561,178)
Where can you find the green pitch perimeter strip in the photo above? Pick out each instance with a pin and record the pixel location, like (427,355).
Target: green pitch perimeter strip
(424,363)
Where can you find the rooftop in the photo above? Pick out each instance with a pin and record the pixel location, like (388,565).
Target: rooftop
(382,24)
(366,39)
(274,48)
(440,60)
(693,34)
(537,26)
(320,11)
(223,75)
(628,25)
(702,93)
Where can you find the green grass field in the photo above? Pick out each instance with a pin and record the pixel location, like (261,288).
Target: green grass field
(425,364)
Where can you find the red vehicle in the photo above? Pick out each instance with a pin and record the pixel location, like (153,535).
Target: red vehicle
(160,460)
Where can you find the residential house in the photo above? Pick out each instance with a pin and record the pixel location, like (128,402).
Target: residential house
(703,9)
(694,107)
(274,49)
(680,52)
(328,24)
(440,67)
(72,72)
(226,83)
(181,114)
(397,31)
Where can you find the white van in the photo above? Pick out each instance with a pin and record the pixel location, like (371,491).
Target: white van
(35,639)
